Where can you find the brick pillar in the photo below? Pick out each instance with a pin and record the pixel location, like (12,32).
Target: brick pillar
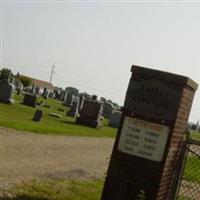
(150,136)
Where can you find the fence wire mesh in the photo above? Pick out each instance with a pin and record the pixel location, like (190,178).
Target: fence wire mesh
(190,180)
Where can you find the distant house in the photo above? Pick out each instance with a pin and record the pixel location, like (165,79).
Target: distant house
(41,85)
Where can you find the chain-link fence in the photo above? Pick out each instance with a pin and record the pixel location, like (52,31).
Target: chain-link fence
(190,180)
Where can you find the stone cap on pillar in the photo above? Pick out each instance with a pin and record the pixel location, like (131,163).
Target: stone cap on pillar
(166,76)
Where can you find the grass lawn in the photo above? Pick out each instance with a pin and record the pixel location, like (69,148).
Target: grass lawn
(195,135)
(192,169)
(57,190)
(18,116)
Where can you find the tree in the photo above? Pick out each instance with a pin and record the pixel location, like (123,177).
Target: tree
(25,81)
(5,74)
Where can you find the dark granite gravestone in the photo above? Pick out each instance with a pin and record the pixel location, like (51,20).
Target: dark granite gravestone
(33,89)
(90,115)
(30,100)
(69,100)
(46,95)
(150,137)
(7,91)
(37,90)
(51,94)
(73,111)
(94,97)
(44,92)
(114,119)
(56,94)
(108,109)
(38,115)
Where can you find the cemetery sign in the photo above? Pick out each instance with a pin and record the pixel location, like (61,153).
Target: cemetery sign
(151,135)
(143,139)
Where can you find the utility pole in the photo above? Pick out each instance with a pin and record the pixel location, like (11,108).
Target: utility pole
(52,72)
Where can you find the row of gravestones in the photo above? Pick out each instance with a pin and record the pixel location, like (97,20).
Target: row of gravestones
(71,98)
(91,115)
(90,110)
(7,91)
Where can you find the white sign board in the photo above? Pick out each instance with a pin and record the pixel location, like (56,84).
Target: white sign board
(143,139)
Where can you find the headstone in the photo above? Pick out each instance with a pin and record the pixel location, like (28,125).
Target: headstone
(30,100)
(44,92)
(69,94)
(150,136)
(108,109)
(87,96)
(38,115)
(94,97)
(46,95)
(37,91)
(114,119)
(57,93)
(73,111)
(33,89)
(69,100)
(7,91)
(50,94)
(90,115)
(81,102)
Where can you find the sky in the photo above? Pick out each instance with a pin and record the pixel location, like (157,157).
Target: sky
(94,43)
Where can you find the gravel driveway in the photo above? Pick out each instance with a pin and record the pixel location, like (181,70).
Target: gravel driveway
(25,156)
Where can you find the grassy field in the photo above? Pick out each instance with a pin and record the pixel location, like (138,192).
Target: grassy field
(57,190)
(19,117)
(195,135)
(192,169)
